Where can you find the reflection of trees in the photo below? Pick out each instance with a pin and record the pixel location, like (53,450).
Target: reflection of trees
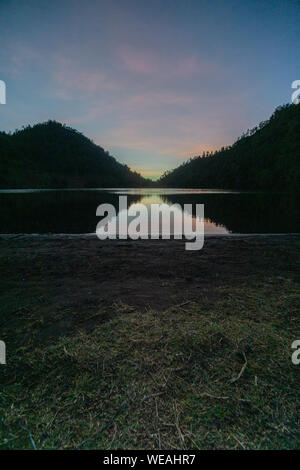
(55,211)
(247,213)
(75,211)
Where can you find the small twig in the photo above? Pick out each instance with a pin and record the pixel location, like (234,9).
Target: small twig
(8,440)
(152,395)
(237,440)
(114,436)
(159,441)
(241,371)
(205,394)
(182,304)
(32,442)
(30,437)
(177,423)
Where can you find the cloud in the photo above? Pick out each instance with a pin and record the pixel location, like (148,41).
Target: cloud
(145,62)
(164,136)
(158,98)
(131,104)
(21,58)
(146,172)
(168,124)
(138,61)
(140,101)
(70,77)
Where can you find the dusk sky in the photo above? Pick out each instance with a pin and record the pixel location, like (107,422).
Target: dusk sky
(154,82)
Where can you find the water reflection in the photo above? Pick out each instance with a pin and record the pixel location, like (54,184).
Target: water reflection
(74,211)
(162,218)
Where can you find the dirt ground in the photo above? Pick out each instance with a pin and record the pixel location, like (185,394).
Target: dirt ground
(57,275)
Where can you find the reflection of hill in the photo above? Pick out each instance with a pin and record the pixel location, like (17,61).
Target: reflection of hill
(248,213)
(54,212)
(75,211)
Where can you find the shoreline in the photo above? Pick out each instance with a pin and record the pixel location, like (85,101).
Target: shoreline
(62,236)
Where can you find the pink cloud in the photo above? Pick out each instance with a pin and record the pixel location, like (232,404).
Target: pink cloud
(70,76)
(178,139)
(128,106)
(187,67)
(146,62)
(138,61)
(154,98)
(142,123)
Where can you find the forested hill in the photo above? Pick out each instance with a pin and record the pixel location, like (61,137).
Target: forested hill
(267,157)
(54,155)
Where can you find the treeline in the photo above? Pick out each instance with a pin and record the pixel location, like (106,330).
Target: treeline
(52,155)
(266,157)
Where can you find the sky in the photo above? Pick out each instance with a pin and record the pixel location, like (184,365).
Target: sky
(154,82)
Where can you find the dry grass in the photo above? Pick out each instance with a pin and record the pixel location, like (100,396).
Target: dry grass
(187,377)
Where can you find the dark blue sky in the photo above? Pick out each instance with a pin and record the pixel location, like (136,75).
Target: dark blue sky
(154,82)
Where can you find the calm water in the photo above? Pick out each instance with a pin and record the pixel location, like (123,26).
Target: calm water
(74,211)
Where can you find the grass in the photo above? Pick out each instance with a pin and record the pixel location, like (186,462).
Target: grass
(216,377)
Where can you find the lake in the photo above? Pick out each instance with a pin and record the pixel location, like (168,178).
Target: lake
(74,210)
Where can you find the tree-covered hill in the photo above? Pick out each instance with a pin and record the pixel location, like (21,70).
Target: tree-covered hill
(266,157)
(54,155)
